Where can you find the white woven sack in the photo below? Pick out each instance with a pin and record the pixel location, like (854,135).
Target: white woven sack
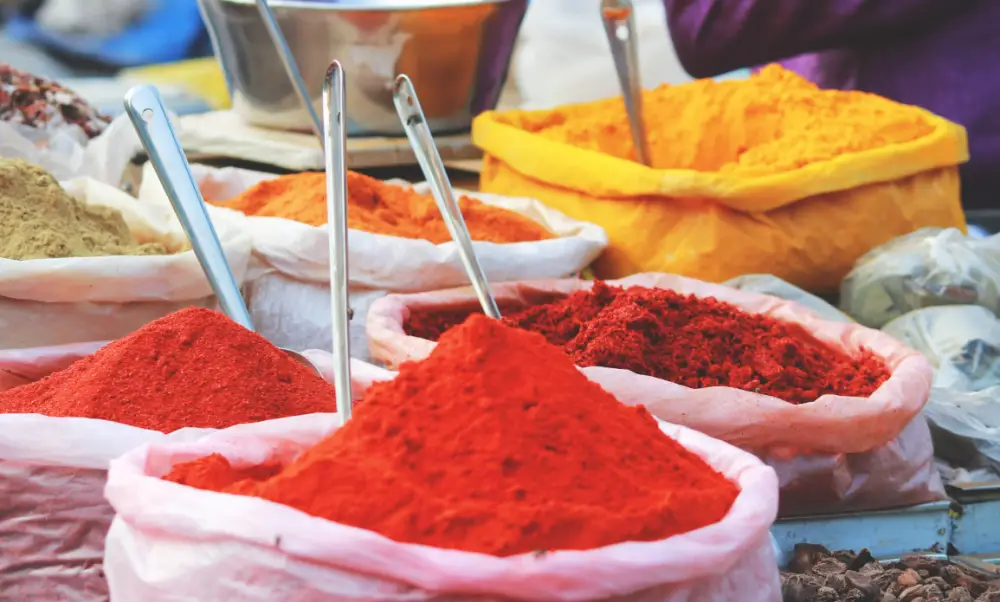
(290,298)
(172,542)
(46,302)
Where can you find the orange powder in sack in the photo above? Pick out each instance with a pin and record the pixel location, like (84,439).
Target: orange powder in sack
(382,208)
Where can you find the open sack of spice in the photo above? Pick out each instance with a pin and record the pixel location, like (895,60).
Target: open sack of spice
(398,242)
(46,124)
(765,174)
(172,379)
(926,268)
(418,498)
(833,406)
(83,261)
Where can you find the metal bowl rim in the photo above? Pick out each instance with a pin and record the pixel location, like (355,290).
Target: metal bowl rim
(348,5)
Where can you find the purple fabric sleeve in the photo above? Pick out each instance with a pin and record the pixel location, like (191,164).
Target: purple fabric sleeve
(716,36)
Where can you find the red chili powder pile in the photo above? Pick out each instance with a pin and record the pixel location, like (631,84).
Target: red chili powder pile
(497,444)
(695,342)
(192,368)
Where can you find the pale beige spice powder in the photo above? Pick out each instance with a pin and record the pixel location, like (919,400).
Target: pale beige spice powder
(38,220)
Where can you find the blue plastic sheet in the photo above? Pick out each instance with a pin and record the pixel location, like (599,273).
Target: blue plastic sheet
(171,30)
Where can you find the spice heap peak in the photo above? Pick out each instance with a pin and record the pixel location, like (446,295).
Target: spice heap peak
(496,444)
(382,208)
(39,220)
(192,368)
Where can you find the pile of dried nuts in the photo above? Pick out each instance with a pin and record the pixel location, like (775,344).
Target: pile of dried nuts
(818,575)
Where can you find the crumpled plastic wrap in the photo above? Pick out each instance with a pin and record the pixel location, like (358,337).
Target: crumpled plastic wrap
(56,554)
(965,426)
(926,268)
(962,342)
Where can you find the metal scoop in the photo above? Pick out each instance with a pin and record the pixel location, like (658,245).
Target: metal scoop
(335,151)
(152,124)
(419,135)
(291,66)
(619,25)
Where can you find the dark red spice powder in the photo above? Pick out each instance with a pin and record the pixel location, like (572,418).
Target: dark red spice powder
(496,444)
(192,368)
(688,340)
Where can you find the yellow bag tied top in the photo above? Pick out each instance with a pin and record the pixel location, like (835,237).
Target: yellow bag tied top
(769,174)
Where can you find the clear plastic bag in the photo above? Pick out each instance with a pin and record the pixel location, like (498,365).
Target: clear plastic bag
(962,342)
(966,426)
(926,268)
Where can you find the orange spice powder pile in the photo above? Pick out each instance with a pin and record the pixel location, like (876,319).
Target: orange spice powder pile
(775,121)
(382,208)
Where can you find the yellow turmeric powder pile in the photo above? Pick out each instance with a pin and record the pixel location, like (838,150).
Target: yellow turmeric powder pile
(774,121)
(381,208)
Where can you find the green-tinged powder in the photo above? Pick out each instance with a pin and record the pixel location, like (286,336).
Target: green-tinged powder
(38,220)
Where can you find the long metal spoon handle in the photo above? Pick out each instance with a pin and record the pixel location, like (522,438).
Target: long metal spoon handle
(291,66)
(152,124)
(335,151)
(419,135)
(619,25)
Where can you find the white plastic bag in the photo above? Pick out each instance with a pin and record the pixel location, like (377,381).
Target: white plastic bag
(776,287)
(847,435)
(562,53)
(99,18)
(172,542)
(962,342)
(67,154)
(45,302)
(53,515)
(290,298)
(926,268)
(966,426)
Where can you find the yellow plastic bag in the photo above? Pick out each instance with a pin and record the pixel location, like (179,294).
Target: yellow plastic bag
(805,224)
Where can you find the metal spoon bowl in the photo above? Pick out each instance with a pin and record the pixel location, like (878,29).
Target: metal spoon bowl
(152,123)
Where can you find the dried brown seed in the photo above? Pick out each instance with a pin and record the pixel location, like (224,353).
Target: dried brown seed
(828,566)
(805,556)
(864,584)
(800,588)
(991,595)
(909,578)
(911,593)
(827,594)
(959,594)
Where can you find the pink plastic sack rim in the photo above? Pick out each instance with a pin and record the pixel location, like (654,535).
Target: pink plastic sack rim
(832,423)
(564,574)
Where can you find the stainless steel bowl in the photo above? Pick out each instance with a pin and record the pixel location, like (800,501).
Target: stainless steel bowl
(456,52)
